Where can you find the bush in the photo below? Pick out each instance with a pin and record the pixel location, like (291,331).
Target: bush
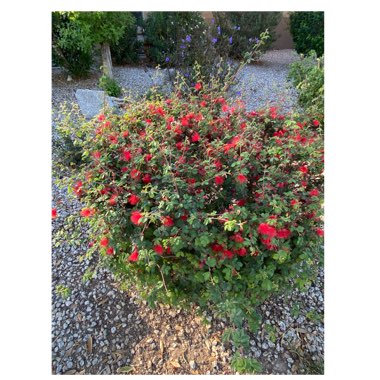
(126,50)
(72,46)
(179,40)
(308,77)
(244,29)
(192,199)
(307,29)
(110,86)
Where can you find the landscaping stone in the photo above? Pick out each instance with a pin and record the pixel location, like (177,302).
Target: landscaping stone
(91,102)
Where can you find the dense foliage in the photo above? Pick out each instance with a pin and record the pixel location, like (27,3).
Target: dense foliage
(307,29)
(243,29)
(191,198)
(75,34)
(110,86)
(308,77)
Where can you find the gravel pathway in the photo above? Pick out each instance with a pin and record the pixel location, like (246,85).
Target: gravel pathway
(99,329)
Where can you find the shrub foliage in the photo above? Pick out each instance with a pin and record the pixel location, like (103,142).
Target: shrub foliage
(191,198)
(307,29)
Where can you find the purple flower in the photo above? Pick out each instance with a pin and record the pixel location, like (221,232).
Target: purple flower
(230,40)
(257,40)
(212,20)
(214,40)
(183,46)
(188,38)
(167,59)
(238,93)
(218,29)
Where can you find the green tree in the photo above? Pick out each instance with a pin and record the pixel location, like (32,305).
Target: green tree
(83,30)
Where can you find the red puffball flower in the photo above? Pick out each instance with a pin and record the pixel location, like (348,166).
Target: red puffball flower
(54,213)
(87,212)
(195,137)
(241,251)
(134,256)
(228,254)
(216,247)
(315,123)
(320,232)
(133,200)
(135,217)
(241,202)
(147,178)
(303,169)
(104,242)
(219,180)
(314,193)
(159,249)
(110,251)
(135,174)
(266,229)
(283,233)
(237,238)
(203,104)
(101,117)
(198,86)
(167,221)
(184,122)
(127,155)
(112,200)
(242,178)
(78,188)
(125,134)
(294,202)
(148,157)
(96,155)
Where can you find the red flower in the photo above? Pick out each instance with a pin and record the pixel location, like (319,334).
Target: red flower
(216,247)
(134,256)
(179,145)
(242,178)
(198,86)
(293,202)
(241,251)
(104,242)
(159,249)
(241,202)
(96,154)
(135,217)
(184,217)
(148,157)
(127,155)
(225,108)
(218,164)
(283,233)
(125,134)
(203,104)
(266,229)
(86,212)
(303,169)
(133,199)
(167,221)
(148,121)
(147,178)
(228,254)
(184,122)
(135,174)
(219,180)
(237,238)
(78,188)
(101,117)
(314,193)
(112,200)
(113,139)
(110,251)
(320,232)
(315,123)
(53,213)
(195,137)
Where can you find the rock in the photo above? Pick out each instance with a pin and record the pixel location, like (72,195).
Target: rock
(192,364)
(92,102)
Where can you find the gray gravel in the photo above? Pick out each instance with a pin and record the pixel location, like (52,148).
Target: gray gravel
(99,329)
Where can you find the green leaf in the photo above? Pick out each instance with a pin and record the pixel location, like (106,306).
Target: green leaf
(211,262)
(266,285)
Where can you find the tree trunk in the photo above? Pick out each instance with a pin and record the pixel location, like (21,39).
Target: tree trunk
(106,59)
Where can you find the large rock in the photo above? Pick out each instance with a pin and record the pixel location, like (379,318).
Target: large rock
(92,102)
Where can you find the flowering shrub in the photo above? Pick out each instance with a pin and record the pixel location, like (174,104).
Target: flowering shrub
(193,198)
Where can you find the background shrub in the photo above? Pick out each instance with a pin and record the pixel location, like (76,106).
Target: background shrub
(126,50)
(72,47)
(194,199)
(307,29)
(245,29)
(110,86)
(308,77)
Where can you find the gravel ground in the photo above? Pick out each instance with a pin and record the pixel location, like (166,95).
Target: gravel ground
(99,329)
